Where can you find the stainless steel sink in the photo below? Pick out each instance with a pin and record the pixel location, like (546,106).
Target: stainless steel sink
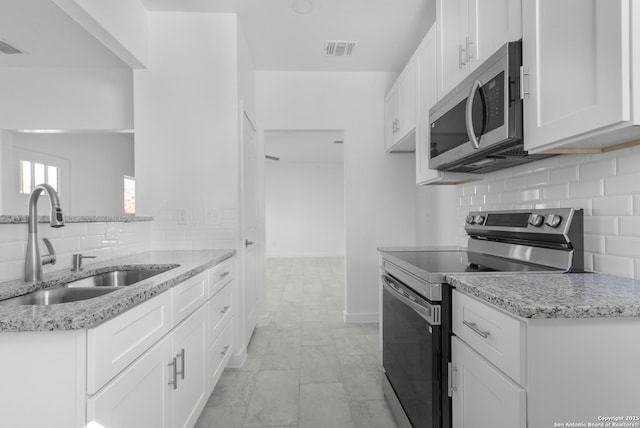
(116,278)
(53,296)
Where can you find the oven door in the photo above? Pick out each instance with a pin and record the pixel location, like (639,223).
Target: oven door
(411,357)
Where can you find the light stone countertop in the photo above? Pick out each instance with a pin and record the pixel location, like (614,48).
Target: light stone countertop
(540,295)
(88,313)
(18,219)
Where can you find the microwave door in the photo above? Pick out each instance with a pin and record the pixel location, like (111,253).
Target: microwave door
(475,114)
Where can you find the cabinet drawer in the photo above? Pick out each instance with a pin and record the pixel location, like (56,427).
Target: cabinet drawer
(495,335)
(219,354)
(220,309)
(188,296)
(219,276)
(115,344)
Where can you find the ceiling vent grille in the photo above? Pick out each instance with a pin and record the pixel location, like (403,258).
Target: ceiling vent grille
(338,47)
(7,49)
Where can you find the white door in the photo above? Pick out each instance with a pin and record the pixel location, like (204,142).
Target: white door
(577,55)
(492,23)
(483,397)
(452,25)
(250,229)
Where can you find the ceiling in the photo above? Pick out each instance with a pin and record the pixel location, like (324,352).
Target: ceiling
(304,146)
(48,37)
(388,31)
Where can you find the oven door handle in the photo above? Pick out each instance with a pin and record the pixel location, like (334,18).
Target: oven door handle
(430,313)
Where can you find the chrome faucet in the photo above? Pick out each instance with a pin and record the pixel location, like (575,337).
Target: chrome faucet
(33,262)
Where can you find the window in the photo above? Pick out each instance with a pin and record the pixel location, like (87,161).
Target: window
(34,173)
(129,195)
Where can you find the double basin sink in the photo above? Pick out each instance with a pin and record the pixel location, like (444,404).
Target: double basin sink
(86,288)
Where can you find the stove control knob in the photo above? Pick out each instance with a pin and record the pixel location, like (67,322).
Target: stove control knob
(553,220)
(469,219)
(479,219)
(536,220)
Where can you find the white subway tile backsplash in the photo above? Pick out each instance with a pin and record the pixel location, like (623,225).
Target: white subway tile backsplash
(594,244)
(13,251)
(623,246)
(547,204)
(537,178)
(567,174)
(13,232)
(630,226)
(620,205)
(586,189)
(601,225)
(560,191)
(597,169)
(613,265)
(622,185)
(606,186)
(588,262)
(516,182)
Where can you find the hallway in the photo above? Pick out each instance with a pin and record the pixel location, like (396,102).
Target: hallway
(307,368)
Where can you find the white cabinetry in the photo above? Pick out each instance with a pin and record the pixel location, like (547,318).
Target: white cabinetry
(578,58)
(469,31)
(425,63)
(484,396)
(515,373)
(153,365)
(400,112)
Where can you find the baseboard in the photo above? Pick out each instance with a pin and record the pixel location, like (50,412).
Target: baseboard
(361,318)
(237,360)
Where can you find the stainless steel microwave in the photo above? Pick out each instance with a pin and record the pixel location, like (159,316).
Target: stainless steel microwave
(477,127)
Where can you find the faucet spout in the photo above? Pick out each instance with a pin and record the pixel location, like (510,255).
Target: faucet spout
(33,261)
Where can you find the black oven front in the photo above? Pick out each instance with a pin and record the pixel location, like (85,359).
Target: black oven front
(411,355)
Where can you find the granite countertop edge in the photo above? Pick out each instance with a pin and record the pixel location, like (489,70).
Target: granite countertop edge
(18,219)
(91,312)
(554,296)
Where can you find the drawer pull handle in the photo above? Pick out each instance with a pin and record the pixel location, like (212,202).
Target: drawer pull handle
(224,274)
(174,382)
(181,356)
(224,351)
(225,309)
(473,326)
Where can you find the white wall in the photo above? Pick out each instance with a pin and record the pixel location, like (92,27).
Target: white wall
(92,168)
(66,98)
(606,186)
(380,191)
(304,209)
(186,120)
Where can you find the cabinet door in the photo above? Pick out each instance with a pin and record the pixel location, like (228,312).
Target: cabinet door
(452,28)
(492,23)
(406,102)
(189,348)
(139,397)
(576,54)
(483,396)
(390,117)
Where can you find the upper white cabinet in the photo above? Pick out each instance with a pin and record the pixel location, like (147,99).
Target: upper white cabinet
(469,31)
(400,112)
(425,62)
(577,63)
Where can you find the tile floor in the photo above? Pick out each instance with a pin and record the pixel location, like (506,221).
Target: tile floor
(306,369)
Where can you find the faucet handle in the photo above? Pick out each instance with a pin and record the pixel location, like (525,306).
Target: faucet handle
(77,261)
(49,259)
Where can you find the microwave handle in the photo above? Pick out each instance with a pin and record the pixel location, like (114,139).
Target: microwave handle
(469,115)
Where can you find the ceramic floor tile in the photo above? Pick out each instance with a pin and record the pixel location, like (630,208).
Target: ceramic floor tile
(275,399)
(281,356)
(324,405)
(221,417)
(320,364)
(317,333)
(234,388)
(371,414)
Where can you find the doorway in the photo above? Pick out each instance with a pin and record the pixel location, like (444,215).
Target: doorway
(304,207)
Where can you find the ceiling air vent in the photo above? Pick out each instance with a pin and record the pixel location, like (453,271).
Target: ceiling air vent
(7,49)
(338,47)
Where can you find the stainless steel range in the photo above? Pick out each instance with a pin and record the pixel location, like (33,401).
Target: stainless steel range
(416,312)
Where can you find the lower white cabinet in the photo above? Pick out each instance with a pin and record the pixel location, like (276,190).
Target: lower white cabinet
(483,397)
(153,366)
(139,397)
